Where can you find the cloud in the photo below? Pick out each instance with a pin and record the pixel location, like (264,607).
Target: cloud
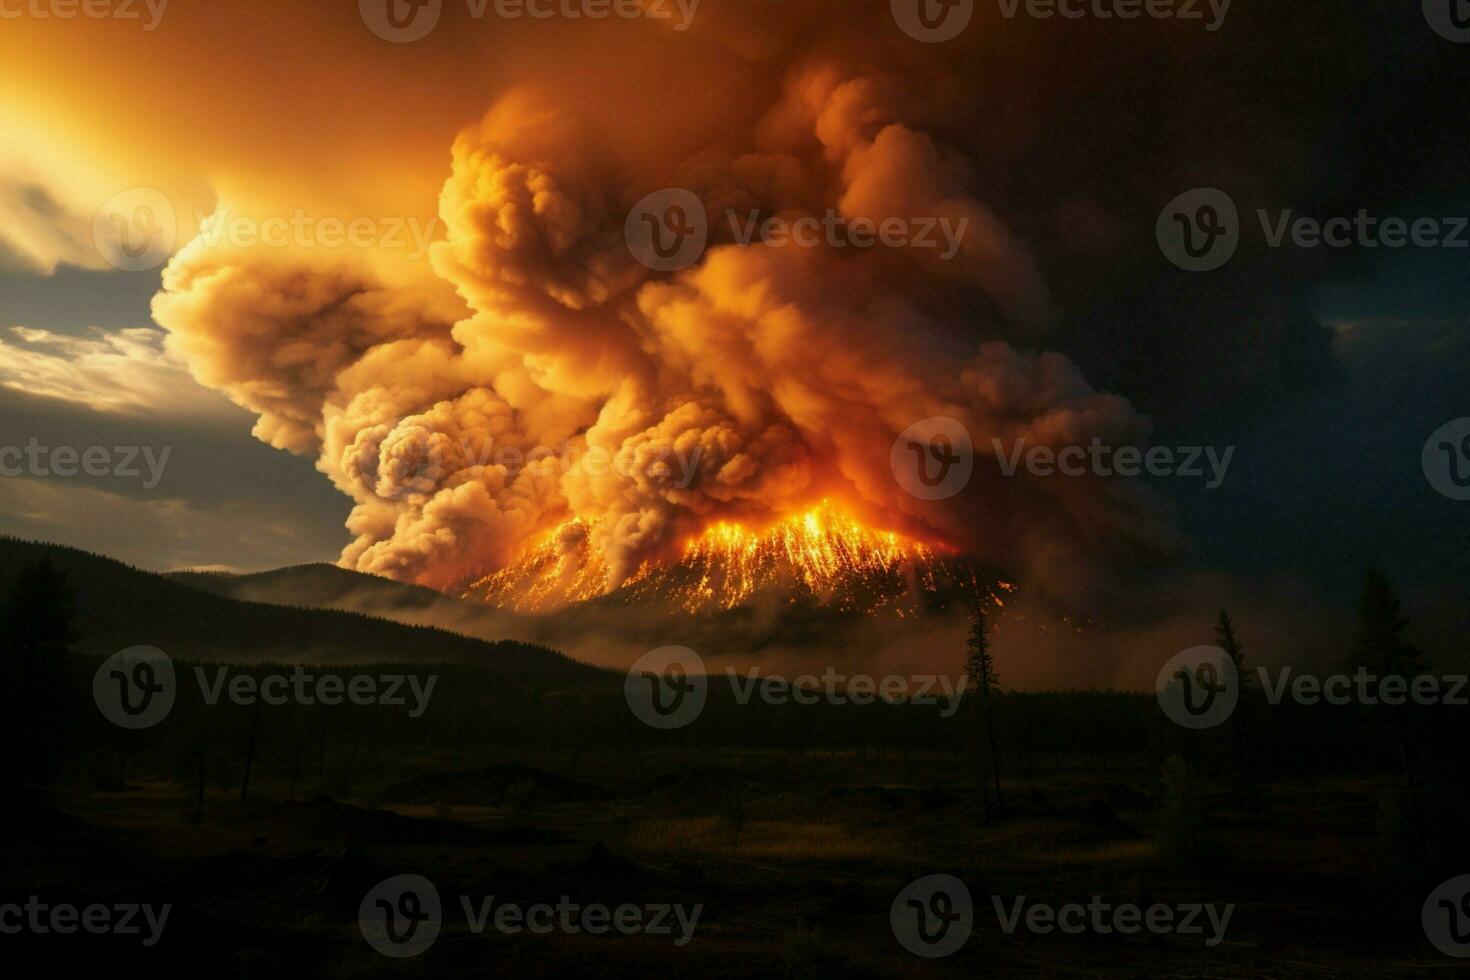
(39,229)
(113,371)
(274,335)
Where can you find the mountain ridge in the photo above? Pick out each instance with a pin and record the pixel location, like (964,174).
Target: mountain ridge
(119,606)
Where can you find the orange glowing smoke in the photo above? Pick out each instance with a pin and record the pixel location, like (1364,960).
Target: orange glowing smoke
(823,556)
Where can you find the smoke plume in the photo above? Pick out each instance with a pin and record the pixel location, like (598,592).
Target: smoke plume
(568,380)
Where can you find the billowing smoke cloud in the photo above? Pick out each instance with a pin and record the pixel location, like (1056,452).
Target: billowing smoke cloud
(581,385)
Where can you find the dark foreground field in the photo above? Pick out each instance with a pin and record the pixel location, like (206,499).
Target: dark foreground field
(794,860)
(295,835)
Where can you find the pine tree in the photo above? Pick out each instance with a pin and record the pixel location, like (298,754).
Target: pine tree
(980,669)
(1382,650)
(1225,636)
(1230,643)
(1381,623)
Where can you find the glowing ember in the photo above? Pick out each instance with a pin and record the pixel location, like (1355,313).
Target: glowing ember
(823,557)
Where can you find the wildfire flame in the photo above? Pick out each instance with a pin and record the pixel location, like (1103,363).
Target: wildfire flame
(823,555)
